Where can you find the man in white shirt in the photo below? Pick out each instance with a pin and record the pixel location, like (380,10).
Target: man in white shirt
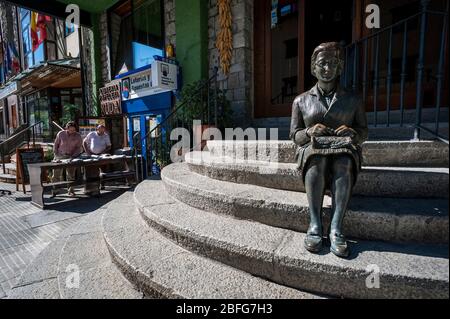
(96,143)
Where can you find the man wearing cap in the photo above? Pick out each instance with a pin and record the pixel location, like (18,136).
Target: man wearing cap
(96,143)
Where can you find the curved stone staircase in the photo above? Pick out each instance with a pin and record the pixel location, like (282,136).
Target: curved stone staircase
(226,224)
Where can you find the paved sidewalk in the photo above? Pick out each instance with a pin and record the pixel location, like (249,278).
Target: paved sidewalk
(26,230)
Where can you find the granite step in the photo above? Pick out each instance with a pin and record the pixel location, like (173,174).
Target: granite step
(405,271)
(162,269)
(406,133)
(375,153)
(8,178)
(407,182)
(81,247)
(387,219)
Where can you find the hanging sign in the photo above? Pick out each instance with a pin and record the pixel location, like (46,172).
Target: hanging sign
(160,77)
(110,99)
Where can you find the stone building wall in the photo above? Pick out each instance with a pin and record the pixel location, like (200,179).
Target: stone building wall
(169,22)
(105,50)
(114,28)
(239,82)
(8,20)
(87,52)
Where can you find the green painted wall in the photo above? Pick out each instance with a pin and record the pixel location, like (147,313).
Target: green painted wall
(192,38)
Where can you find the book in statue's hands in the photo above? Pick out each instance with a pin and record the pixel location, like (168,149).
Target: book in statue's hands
(331,142)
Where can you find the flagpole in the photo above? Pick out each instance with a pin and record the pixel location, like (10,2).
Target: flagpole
(3,53)
(19,29)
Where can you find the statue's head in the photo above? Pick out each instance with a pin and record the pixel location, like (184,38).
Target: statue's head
(327,62)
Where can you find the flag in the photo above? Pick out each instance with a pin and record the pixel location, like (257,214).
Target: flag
(8,59)
(15,63)
(12,59)
(34,31)
(38,29)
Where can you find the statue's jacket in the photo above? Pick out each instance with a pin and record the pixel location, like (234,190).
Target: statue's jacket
(310,109)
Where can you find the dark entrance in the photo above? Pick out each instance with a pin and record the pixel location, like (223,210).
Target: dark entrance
(286,32)
(326,21)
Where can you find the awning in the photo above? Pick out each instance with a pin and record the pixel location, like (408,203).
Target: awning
(63,73)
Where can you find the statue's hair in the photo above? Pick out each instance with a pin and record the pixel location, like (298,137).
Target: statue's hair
(327,46)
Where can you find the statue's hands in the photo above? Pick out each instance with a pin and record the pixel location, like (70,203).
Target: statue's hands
(345,131)
(320,130)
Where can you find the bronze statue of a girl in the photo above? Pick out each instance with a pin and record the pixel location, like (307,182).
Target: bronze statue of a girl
(329,126)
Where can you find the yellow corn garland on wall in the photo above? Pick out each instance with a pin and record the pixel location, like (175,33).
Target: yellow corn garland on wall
(225,37)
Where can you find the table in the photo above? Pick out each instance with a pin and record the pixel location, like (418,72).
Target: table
(38,180)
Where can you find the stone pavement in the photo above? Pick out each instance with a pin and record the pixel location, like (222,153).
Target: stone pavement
(26,230)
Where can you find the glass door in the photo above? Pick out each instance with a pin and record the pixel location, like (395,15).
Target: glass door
(278,56)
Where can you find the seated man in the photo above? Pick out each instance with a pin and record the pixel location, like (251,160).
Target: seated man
(68,145)
(96,143)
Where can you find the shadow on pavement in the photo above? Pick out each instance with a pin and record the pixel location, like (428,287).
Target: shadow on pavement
(81,204)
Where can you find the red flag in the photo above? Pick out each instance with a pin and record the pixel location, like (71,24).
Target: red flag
(38,29)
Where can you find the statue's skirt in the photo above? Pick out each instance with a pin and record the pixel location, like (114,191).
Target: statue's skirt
(306,152)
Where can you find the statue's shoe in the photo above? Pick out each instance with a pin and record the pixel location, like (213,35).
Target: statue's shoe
(339,245)
(313,243)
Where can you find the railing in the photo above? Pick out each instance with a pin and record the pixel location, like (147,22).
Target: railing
(158,142)
(377,72)
(25,136)
(59,127)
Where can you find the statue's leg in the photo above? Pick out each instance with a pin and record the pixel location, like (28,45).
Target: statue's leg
(341,187)
(315,183)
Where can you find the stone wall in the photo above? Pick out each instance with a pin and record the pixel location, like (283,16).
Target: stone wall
(239,82)
(105,50)
(8,20)
(87,51)
(169,22)
(114,28)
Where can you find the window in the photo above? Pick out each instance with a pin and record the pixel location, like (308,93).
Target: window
(137,34)
(30,58)
(2,74)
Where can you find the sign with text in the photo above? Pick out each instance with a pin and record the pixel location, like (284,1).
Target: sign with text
(24,157)
(161,77)
(165,75)
(110,99)
(11,88)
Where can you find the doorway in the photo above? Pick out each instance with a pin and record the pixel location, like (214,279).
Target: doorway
(286,33)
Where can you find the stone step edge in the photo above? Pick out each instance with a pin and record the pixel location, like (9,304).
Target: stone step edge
(284,269)
(288,177)
(46,273)
(362,224)
(145,279)
(284,151)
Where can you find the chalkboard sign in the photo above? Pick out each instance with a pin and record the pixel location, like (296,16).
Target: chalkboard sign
(24,157)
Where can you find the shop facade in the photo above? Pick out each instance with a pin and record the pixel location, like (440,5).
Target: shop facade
(273,42)
(41,73)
